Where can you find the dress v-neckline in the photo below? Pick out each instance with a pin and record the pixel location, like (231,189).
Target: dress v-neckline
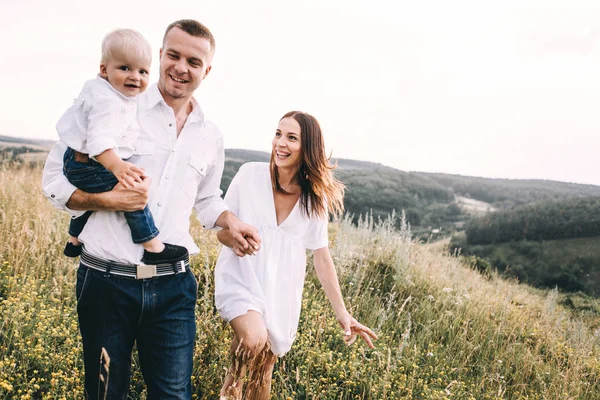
(275,208)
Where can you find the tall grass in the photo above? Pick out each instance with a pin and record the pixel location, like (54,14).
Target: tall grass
(446,332)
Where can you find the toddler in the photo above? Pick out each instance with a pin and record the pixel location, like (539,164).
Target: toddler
(100,129)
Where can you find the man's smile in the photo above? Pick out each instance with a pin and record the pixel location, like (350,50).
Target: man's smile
(178,80)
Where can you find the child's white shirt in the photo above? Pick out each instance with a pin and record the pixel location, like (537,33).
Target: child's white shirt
(101,118)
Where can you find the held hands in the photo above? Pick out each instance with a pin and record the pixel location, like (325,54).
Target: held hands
(128,174)
(245,239)
(352,328)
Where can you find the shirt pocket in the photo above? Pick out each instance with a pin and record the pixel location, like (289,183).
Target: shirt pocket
(195,172)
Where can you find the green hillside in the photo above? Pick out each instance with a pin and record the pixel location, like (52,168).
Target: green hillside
(445,331)
(572,265)
(546,244)
(11,141)
(505,193)
(431,201)
(377,189)
(16,153)
(544,220)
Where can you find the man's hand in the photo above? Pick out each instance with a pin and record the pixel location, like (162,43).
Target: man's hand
(127,174)
(225,237)
(118,199)
(245,237)
(241,237)
(132,198)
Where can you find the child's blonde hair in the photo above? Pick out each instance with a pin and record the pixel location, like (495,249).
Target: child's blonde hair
(125,41)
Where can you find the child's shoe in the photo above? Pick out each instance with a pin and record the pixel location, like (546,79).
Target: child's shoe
(170,254)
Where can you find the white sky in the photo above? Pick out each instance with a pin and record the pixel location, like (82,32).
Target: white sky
(486,88)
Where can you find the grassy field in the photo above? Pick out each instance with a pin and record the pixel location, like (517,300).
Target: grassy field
(571,264)
(445,331)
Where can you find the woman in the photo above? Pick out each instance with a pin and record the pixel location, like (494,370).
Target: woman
(260,292)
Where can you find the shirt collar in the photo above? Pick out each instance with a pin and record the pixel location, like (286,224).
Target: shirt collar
(196,114)
(104,82)
(154,97)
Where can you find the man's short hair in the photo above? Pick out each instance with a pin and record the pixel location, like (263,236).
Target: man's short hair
(125,41)
(194,28)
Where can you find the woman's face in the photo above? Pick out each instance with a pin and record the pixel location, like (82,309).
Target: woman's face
(287,144)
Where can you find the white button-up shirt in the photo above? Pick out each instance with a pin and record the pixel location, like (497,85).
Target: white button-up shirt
(186,173)
(101,118)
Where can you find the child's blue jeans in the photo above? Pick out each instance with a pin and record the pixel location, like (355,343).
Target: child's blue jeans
(92,177)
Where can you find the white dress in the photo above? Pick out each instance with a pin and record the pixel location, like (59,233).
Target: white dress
(271,282)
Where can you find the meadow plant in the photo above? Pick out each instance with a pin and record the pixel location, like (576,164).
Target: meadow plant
(446,331)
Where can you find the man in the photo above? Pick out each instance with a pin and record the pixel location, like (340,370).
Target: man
(118,301)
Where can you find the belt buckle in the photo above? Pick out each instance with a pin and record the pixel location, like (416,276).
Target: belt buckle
(182,264)
(143,271)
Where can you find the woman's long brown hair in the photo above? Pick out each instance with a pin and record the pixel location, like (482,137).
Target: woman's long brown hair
(321,192)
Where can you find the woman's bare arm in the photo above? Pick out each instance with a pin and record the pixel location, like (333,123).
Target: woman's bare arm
(328,277)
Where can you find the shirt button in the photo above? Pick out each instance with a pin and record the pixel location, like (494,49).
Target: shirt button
(170,124)
(53,196)
(173,150)
(159,204)
(167,177)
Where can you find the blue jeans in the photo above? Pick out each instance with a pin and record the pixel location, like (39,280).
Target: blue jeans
(92,177)
(157,313)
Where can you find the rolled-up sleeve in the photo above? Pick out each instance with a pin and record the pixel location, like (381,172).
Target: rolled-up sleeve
(55,185)
(209,205)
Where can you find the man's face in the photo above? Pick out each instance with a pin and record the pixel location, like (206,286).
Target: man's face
(126,73)
(184,63)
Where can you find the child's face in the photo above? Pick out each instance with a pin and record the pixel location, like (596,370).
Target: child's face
(126,73)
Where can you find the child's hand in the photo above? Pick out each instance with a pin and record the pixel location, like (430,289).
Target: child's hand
(128,174)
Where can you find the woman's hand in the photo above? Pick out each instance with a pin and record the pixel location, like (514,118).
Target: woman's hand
(352,328)
(241,250)
(328,278)
(226,238)
(241,237)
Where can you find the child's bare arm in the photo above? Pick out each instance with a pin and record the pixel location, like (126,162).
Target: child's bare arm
(125,172)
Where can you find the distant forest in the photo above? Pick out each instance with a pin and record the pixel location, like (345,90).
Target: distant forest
(377,190)
(13,153)
(544,220)
(506,193)
(546,244)
(521,240)
(429,200)
(544,233)
(572,265)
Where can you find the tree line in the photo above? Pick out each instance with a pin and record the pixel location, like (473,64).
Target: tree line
(572,265)
(507,193)
(372,189)
(13,153)
(546,220)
